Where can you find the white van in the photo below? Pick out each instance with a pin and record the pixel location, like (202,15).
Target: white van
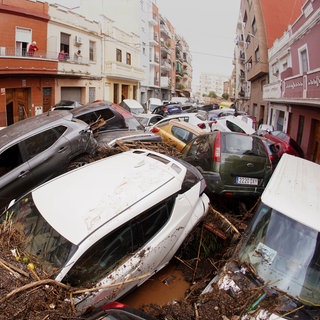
(152,103)
(112,223)
(280,251)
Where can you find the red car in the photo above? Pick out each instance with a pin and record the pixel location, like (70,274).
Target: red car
(284,143)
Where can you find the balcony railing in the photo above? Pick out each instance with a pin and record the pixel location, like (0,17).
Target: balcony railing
(9,52)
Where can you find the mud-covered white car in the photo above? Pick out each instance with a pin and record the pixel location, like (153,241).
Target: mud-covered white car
(112,223)
(278,256)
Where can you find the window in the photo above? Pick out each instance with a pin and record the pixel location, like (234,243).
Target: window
(200,151)
(303,59)
(42,141)
(254,26)
(257,54)
(92,94)
(119,55)
(92,51)
(119,245)
(181,134)
(10,159)
(23,38)
(128,58)
(65,42)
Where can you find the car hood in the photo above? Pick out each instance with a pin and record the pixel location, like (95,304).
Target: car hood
(109,138)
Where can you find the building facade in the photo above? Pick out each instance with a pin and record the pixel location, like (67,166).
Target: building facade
(293,92)
(26,82)
(260,23)
(75,42)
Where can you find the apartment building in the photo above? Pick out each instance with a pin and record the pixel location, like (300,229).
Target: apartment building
(213,83)
(183,68)
(293,91)
(120,28)
(168,59)
(260,23)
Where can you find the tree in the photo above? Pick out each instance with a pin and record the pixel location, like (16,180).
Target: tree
(225,96)
(212,94)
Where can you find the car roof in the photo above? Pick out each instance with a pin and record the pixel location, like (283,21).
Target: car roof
(242,124)
(90,196)
(183,124)
(91,106)
(27,127)
(294,190)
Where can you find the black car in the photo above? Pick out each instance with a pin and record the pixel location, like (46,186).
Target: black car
(112,122)
(37,149)
(209,107)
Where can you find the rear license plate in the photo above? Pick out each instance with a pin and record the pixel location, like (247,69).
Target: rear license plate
(245,180)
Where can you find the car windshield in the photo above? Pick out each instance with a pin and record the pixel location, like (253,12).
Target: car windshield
(41,240)
(285,253)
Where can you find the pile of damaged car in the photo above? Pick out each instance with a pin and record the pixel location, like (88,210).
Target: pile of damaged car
(276,266)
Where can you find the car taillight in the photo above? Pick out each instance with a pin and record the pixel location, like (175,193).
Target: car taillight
(155,130)
(201,125)
(114,305)
(217,148)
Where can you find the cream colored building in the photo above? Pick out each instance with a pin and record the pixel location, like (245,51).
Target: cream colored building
(79,76)
(120,28)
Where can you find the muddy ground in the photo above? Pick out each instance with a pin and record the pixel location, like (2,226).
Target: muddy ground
(27,293)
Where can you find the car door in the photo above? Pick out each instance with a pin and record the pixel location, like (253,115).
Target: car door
(48,153)
(244,161)
(15,174)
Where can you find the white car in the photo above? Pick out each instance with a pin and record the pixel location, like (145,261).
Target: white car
(279,252)
(113,223)
(193,118)
(232,123)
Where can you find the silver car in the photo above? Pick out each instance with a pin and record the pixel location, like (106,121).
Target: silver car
(36,149)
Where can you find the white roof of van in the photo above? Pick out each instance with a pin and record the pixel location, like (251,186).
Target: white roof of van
(80,201)
(294,190)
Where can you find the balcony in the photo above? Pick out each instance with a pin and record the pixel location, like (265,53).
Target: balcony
(165,65)
(123,71)
(13,61)
(165,31)
(165,82)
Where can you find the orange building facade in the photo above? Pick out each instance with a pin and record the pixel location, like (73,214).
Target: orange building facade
(26,82)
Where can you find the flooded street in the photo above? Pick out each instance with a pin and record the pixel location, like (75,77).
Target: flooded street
(164,287)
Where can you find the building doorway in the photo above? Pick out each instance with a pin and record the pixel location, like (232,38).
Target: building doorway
(17,105)
(315,141)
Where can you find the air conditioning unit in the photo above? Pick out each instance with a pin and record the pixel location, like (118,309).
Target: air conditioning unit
(78,40)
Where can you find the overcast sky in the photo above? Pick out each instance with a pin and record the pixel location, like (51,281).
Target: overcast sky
(209,27)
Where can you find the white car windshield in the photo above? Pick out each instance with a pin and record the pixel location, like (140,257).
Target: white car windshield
(41,240)
(285,253)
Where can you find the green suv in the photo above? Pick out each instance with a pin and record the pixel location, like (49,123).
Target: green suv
(232,163)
